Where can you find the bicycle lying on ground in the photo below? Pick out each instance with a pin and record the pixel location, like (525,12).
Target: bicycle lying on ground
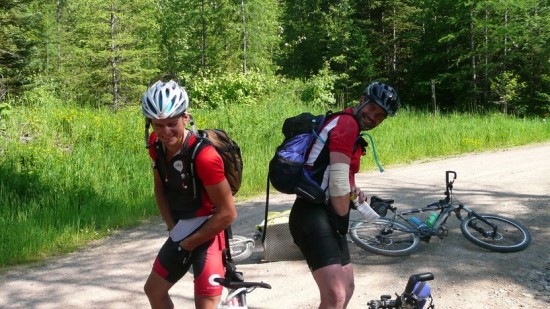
(399,236)
(416,295)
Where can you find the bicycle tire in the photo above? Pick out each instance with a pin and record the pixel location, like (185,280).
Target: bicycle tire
(241,247)
(399,242)
(511,236)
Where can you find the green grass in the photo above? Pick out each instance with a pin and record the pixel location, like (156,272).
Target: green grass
(70,175)
(416,136)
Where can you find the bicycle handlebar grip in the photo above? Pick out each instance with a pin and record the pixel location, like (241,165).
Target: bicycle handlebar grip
(413,279)
(383,304)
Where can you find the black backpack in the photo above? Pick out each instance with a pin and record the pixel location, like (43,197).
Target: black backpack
(229,151)
(286,168)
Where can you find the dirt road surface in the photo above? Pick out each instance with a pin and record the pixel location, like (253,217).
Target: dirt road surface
(515,183)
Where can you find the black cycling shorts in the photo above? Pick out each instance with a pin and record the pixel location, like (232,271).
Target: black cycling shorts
(311,229)
(206,259)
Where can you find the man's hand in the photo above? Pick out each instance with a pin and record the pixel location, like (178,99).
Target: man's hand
(340,223)
(357,193)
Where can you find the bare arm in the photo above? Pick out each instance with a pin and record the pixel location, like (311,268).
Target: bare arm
(340,203)
(225,214)
(162,203)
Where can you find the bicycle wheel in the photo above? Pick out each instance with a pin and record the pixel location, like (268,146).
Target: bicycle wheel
(510,235)
(241,247)
(384,237)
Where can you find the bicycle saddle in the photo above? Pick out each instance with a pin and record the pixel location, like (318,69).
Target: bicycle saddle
(376,199)
(380,205)
(228,283)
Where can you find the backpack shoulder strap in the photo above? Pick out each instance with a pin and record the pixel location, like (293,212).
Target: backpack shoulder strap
(160,161)
(192,154)
(359,140)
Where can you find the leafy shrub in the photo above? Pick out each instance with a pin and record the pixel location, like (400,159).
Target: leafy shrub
(213,90)
(319,90)
(5,110)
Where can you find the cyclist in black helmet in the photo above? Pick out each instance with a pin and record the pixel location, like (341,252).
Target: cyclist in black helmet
(319,230)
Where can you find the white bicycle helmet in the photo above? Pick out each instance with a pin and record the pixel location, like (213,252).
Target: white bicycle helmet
(164,100)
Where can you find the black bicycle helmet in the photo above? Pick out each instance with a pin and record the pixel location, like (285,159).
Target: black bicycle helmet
(383,95)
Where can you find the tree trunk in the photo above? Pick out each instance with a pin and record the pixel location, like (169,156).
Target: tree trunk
(245,35)
(486,64)
(394,37)
(473,51)
(434,97)
(203,52)
(59,24)
(114,58)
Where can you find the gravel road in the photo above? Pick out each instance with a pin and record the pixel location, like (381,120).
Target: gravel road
(514,182)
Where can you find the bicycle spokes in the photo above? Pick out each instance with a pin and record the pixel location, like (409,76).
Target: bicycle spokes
(484,229)
(496,233)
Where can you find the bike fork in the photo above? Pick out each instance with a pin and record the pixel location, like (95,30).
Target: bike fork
(479,229)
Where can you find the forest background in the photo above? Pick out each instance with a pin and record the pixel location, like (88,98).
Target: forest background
(471,75)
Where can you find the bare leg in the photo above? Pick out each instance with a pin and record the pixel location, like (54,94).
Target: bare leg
(156,289)
(350,286)
(335,285)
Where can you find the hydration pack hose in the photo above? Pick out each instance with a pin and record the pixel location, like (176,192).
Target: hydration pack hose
(374,152)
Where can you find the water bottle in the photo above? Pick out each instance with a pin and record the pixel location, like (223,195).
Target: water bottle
(431,219)
(417,222)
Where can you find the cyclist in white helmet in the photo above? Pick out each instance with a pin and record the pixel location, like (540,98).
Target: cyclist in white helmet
(196,221)
(319,229)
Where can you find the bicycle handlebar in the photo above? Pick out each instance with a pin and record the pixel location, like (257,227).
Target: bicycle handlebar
(386,303)
(447,173)
(241,284)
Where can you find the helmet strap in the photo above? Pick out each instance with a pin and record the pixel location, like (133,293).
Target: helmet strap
(147,126)
(192,123)
(364,101)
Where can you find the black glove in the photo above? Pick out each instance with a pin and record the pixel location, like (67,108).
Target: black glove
(180,254)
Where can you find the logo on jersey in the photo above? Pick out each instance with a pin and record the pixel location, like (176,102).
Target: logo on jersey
(178,165)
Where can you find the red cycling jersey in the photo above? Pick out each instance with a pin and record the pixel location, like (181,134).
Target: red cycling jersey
(342,132)
(209,167)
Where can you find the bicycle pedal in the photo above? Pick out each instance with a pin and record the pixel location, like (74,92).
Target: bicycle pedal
(425,239)
(442,232)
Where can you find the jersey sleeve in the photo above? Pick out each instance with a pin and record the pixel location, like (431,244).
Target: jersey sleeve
(342,136)
(209,166)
